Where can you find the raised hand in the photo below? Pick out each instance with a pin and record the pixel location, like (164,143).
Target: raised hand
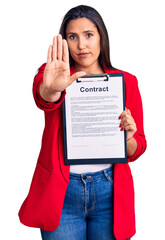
(56,76)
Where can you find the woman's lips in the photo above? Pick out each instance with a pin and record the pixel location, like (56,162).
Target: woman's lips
(83,54)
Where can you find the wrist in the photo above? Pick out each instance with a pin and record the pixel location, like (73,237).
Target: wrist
(49,95)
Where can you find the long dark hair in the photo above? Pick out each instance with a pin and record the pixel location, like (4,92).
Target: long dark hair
(90,13)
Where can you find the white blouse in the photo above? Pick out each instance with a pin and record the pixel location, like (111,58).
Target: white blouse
(88,168)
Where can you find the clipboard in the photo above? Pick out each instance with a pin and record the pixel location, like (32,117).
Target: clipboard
(91,109)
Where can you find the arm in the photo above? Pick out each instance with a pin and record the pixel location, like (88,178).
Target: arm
(132,120)
(131,147)
(128,124)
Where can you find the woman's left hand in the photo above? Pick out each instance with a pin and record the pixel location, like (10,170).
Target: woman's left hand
(127,123)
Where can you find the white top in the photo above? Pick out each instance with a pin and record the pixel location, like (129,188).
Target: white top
(79,169)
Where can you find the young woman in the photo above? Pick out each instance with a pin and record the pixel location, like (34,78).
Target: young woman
(78,202)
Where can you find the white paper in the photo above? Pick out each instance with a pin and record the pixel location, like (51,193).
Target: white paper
(92,124)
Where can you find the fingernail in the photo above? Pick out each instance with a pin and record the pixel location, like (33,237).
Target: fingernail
(121,129)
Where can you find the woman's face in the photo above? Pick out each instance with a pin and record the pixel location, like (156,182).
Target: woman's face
(84,44)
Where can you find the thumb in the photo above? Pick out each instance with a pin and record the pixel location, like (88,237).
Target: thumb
(75,76)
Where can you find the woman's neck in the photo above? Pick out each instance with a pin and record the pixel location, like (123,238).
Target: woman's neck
(89,69)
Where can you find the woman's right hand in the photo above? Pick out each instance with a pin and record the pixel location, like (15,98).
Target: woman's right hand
(56,76)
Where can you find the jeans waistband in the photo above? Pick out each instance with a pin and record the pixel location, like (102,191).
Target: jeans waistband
(92,176)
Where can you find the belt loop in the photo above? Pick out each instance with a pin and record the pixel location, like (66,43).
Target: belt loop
(108,175)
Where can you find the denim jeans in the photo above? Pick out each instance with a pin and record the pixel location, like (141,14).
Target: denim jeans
(88,208)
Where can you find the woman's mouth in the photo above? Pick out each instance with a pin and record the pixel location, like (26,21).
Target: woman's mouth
(83,54)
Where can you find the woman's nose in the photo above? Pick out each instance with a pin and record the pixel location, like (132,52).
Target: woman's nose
(81,43)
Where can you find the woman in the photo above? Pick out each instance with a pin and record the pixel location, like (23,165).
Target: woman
(98,202)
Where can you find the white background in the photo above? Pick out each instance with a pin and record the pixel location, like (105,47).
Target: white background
(136,31)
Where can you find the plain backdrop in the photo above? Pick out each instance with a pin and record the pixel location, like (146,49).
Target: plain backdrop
(137,39)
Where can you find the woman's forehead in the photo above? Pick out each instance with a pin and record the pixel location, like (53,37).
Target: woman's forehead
(80,25)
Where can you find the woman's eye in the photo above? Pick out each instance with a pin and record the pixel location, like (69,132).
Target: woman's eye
(72,37)
(89,35)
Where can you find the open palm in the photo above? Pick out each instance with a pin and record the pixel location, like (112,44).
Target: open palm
(57,71)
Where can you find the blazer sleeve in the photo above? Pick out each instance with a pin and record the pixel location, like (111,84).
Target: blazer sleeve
(137,113)
(40,102)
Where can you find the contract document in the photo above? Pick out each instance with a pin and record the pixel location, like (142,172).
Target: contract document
(91,111)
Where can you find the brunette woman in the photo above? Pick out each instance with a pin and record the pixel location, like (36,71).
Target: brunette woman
(78,202)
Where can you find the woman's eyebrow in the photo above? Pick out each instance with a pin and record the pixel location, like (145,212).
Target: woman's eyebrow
(86,31)
(71,33)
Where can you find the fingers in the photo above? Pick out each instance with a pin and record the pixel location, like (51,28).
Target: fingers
(76,76)
(54,50)
(130,127)
(49,57)
(124,113)
(57,48)
(127,121)
(65,51)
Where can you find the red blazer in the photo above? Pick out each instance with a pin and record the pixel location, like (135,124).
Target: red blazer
(43,206)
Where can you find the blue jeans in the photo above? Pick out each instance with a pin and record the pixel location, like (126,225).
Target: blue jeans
(88,208)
